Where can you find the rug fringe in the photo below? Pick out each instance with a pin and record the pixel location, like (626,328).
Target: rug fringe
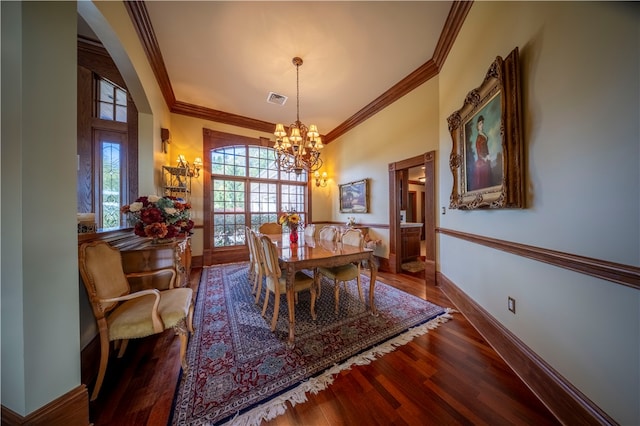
(278,405)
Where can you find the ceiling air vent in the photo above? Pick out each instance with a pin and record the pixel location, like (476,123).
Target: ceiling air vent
(274,98)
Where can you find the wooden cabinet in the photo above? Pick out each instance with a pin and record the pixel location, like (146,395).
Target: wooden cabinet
(141,255)
(410,239)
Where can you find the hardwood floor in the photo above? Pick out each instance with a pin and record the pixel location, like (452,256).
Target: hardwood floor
(449,376)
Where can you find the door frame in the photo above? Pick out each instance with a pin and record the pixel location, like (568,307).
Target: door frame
(398,174)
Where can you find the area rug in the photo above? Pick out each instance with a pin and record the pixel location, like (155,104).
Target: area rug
(241,373)
(415,266)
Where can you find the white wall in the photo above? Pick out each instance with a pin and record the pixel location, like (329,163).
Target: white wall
(40,345)
(580,79)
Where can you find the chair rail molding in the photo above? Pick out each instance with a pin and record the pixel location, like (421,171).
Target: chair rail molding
(618,273)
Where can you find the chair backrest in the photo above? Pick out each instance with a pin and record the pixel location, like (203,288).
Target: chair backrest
(328,233)
(353,237)
(270,259)
(270,228)
(102,274)
(249,240)
(309,231)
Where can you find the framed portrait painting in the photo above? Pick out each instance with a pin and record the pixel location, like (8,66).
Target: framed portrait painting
(487,154)
(354,197)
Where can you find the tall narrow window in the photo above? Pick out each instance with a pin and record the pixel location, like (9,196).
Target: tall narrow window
(110,177)
(248,189)
(111,191)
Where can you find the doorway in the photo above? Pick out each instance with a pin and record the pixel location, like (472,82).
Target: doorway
(401,175)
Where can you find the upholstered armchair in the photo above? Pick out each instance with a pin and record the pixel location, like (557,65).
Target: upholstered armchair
(122,315)
(277,281)
(343,273)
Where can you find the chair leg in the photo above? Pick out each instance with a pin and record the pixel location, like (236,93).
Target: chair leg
(276,310)
(123,347)
(190,319)
(183,351)
(313,302)
(258,287)
(104,359)
(336,291)
(360,288)
(266,301)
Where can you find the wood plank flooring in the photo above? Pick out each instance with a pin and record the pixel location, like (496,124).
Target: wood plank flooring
(449,376)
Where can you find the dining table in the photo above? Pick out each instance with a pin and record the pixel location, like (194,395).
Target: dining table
(309,254)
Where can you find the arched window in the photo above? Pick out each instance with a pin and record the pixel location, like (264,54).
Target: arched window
(246,188)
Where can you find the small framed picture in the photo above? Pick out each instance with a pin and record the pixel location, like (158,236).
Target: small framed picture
(354,197)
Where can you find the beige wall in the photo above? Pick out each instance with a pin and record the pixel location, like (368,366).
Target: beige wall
(407,128)
(40,346)
(580,79)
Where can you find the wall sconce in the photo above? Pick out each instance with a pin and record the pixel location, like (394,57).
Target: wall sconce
(320,181)
(194,170)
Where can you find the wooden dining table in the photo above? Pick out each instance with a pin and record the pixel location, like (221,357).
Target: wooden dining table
(311,253)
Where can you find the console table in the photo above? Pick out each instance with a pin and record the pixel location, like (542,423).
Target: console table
(139,255)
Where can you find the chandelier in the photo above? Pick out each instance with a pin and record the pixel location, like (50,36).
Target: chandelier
(300,150)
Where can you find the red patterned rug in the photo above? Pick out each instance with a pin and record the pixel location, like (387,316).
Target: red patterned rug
(241,373)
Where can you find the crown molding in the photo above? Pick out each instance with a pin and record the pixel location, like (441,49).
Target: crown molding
(142,23)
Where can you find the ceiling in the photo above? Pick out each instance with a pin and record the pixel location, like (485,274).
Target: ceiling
(227,56)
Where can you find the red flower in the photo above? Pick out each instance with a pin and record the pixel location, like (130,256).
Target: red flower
(156,230)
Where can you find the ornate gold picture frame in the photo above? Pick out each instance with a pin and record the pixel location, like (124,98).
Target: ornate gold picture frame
(487,154)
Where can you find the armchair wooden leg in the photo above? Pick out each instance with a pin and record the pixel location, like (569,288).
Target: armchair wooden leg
(184,339)
(104,359)
(190,319)
(123,347)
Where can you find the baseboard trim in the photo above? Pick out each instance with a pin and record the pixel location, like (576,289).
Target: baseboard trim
(568,404)
(71,408)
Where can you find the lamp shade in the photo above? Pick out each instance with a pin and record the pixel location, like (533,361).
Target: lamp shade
(279,132)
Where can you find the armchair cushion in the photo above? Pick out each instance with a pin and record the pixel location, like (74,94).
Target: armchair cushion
(132,318)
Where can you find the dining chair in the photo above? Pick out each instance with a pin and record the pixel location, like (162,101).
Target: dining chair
(344,273)
(270,228)
(255,263)
(121,314)
(309,231)
(276,281)
(328,233)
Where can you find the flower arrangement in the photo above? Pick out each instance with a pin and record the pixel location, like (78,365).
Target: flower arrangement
(159,217)
(290,219)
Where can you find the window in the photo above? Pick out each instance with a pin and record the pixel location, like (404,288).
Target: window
(111,101)
(107,141)
(110,181)
(247,189)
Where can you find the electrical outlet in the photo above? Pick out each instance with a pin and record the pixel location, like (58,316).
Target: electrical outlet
(511,304)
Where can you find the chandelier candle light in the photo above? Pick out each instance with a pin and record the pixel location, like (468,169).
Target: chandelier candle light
(301,149)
